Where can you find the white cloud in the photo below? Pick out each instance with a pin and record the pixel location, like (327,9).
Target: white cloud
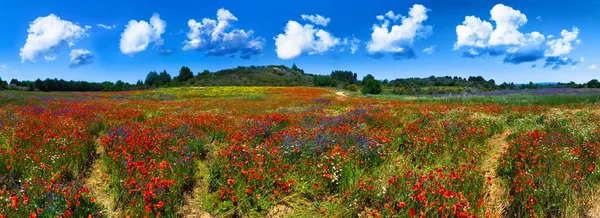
(139,34)
(592,67)
(108,27)
(477,33)
(298,38)
(399,38)
(214,37)
(80,57)
(564,45)
(508,22)
(429,50)
(47,35)
(473,32)
(316,19)
(323,42)
(481,38)
(539,18)
(3,66)
(352,42)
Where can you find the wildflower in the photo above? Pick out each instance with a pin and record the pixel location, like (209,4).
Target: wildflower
(412,212)
(401,205)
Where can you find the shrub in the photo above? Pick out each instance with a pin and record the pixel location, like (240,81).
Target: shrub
(353,87)
(371,86)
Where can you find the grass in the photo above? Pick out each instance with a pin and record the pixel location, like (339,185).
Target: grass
(514,99)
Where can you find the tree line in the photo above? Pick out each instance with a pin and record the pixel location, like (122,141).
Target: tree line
(280,75)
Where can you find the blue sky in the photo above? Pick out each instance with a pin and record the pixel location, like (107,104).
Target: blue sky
(346,35)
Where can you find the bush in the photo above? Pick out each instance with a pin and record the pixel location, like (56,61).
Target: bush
(371,86)
(353,87)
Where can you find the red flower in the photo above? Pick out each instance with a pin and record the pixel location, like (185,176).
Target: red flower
(401,205)
(160,204)
(412,212)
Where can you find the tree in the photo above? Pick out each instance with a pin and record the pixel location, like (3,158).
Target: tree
(164,78)
(367,77)
(294,67)
(371,85)
(344,76)
(185,74)
(151,78)
(119,86)
(593,84)
(3,84)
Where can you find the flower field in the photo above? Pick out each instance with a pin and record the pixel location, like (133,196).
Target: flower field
(293,152)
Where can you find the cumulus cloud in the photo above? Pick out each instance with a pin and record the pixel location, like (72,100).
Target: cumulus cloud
(565,44)
(399,39)
(316,19)
(473,33)
(429,50)
(108,27)
(298,38)
(47,35)
(480,38)
(215,38)
(508,22)
(592,67)
(80,57)
(139,34)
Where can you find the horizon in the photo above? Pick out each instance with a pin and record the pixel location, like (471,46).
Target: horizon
(508,41)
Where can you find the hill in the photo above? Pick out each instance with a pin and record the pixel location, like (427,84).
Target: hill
(272,75)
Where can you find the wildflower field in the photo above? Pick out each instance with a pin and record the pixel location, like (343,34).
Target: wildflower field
(295,152)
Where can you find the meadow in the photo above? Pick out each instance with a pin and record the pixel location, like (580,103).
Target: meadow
(297,152)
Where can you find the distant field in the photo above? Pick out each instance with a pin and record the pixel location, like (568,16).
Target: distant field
(299,152)
(539,91)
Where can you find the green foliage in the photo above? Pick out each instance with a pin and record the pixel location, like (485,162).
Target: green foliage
(324,81)
(367,78)
(344,76)
(353,87)
(151,78)
(185,74)
(371,86)
(164,78)
(3,84)
(273,75)
(441,85)
(593,84)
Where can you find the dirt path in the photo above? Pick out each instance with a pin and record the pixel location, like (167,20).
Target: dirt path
(192,200)
(594,207)
(495,202)
(98,184)
(340,96)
